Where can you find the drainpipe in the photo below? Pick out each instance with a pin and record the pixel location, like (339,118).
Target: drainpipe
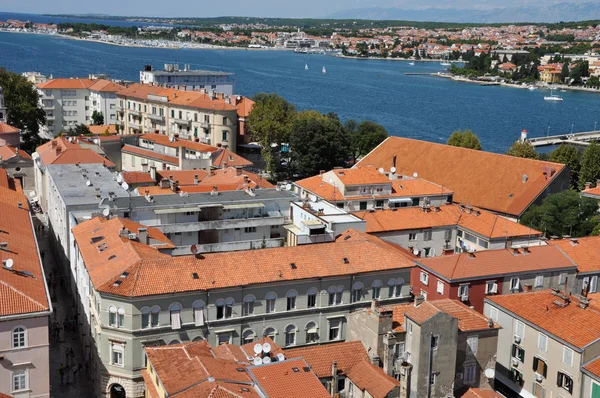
(429,364)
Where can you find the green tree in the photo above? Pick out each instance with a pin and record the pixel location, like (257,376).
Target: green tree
(80,129)
(22,108)
(464,139)
(270,122)
(590,165)
(97,118)
(564,213)
(522,149)
(364,136)
(318,142)
(570,156)
(564,73)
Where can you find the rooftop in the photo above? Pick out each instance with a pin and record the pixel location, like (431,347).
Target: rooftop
(101,130)
(64,151)
(585,252)
(197,72)
(9,152)
(100,85)
(544,309)
(6,128)
(150,154)
(191,99)
(501,183)
(469,266)
(372,379)
(292,378)
(321,357)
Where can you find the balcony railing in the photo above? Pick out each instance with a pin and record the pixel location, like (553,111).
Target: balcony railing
(184,122)
(157,118)
(48,107)
(222,224)
(230,246)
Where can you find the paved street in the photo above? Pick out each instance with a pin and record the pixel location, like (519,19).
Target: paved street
(65,351)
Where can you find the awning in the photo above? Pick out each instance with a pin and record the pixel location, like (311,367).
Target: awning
(400,200)
(224,331)
(245,206)
(316,225)
(177,210)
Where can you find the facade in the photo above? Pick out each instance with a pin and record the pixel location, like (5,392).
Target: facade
(294,295)
(502,184)
(70,102)
(318,222)
(26,304)
(539,352)
(473,277)
(585,252)
(188,79)
(433,348)
(429,231)
(18,165)
(9,135)
(367,188)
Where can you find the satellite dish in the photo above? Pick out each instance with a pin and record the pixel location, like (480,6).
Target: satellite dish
(381,170)
(393,170)
(257,348)
(280,357)
(125,186)
(194,249)
(415,174)
(88,183)
(258,361)
(266,347)
(96,141)
(490,373)
(9,263)
(119,179)
(416,252)
(266,360)
(106,212)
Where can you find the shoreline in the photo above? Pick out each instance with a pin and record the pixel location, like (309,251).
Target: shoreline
(394,59)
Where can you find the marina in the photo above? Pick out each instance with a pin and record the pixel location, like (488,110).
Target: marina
(584,139)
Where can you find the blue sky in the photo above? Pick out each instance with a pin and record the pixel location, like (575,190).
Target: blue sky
(266,8)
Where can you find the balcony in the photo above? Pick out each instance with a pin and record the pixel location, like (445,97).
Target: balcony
(310,239)
(223,224)
(135,113)
(157,118)
(48,107)
(229,246)
(50,117)
(182,122)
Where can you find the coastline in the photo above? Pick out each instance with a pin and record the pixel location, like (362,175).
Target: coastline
(394,59)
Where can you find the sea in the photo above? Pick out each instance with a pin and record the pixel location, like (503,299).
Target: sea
(423,107)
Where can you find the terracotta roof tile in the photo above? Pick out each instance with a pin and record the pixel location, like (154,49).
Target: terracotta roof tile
(100,130)
(593,367)
(485,263)
(66,84)
(244,106)
(488,180)
(106,86)
(137,177)
(369,377)
(9,152)
(571,323)
(65,152)
(288,379)
(184,177)
(151,391)
(6,128)
(147,153)
(361,176)
(223,157)
(321,357)
(585,252)
(480,393)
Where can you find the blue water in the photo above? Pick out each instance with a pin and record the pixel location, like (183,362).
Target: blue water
(420,107)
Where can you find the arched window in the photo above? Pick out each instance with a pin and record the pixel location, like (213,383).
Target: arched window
(291,299)
(112,316)
(399,284)
(376,289)
(357,292)
(174,342)
(154,313)
(270,332)
(271,298)
(248,306)
(395,288)
(247,336)
(311,295)
(224,308)
(198,338)
(290,335)
(18,337)
(198,307)
(335,295)
(175,312)
(312,333)
(145,317)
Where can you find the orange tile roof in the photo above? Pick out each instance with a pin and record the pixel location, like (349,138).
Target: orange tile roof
(488,180)
(66,84)
(480,393)
(372,379)
(593,367)
(184,177)
(479,221)
(100,130)
(469,320)
(137,177)
(321,357)
(19,293)
(223,157)
(65,152)
(244,106)
(592,191)
(585,252)
(8,152)
(321,188)
(571,323)
(7,128)
(106,86)
(248,267)
(147,153)
(151,391)
(361,176)
(288,379)
(417,187)
(465,266)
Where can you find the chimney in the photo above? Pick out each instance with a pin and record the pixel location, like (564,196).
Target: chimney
(54,143)
(334,377)
(164,183)
(143,235)
(490,323)
(58,150)
(598,183)
(246,179)
(124,233)
(471,254)
(153,173)
(214,191)
(174,95)
(436,208)
(238,172)
(375,359)
(526,250)
(418,300)
(195,179)
(515,250)
(174,185)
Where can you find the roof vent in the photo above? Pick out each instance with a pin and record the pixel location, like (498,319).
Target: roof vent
(124,274)
(241,370)
(112,256)
(524,178)
(574,241)
(293,265)
(296,370)
(346,261)
(117,283)
(195,275)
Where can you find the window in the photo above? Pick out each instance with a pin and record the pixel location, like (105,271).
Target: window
(198,307)
(424,278)
(290,335)
(472,344)
(120,318)
(469,374)
(395,287)
(249,230)
(154,316)
(440,287)
(335,329)
(412,236)
(312,335)
(516,376)
(435,341)
(116,357)
(593,284)
(18,337)
(224,137)
(491,287)
(270,332)
(463,292)
(311,296)
(494,313)
(175,312)
(562,278)
(415,201)
(543,342)
(432,379)
(224,308)
(335,295)
(247,336)
(539,281)
(224,121)
(427,235)
(112,316)
(514,284)
(19,379)
(357,292)
(379,203)
(145,317)
(376,289)
(565,381)
(519,329)
(518,353)
(291,300)
(567,356)
(248,306)
(539,366)
(398,350)
(223,338)
(363,205)
(270,298)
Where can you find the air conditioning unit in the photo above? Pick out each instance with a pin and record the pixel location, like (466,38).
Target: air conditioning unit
(538,377)
(515,362)
(517,339)
(132,236)
(464,297)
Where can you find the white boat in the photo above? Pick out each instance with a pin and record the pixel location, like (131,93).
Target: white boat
(531,88)
(553,97)
(324,70)
(411,63)
(444,63)
(306,67)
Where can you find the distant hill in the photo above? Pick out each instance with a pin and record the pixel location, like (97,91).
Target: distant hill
(551,13)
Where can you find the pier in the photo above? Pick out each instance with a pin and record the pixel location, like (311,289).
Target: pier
(570,138)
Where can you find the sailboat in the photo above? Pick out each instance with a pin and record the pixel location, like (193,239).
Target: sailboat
(324,70)
(553,97)
(306,67)
(411,63)
(444,62)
